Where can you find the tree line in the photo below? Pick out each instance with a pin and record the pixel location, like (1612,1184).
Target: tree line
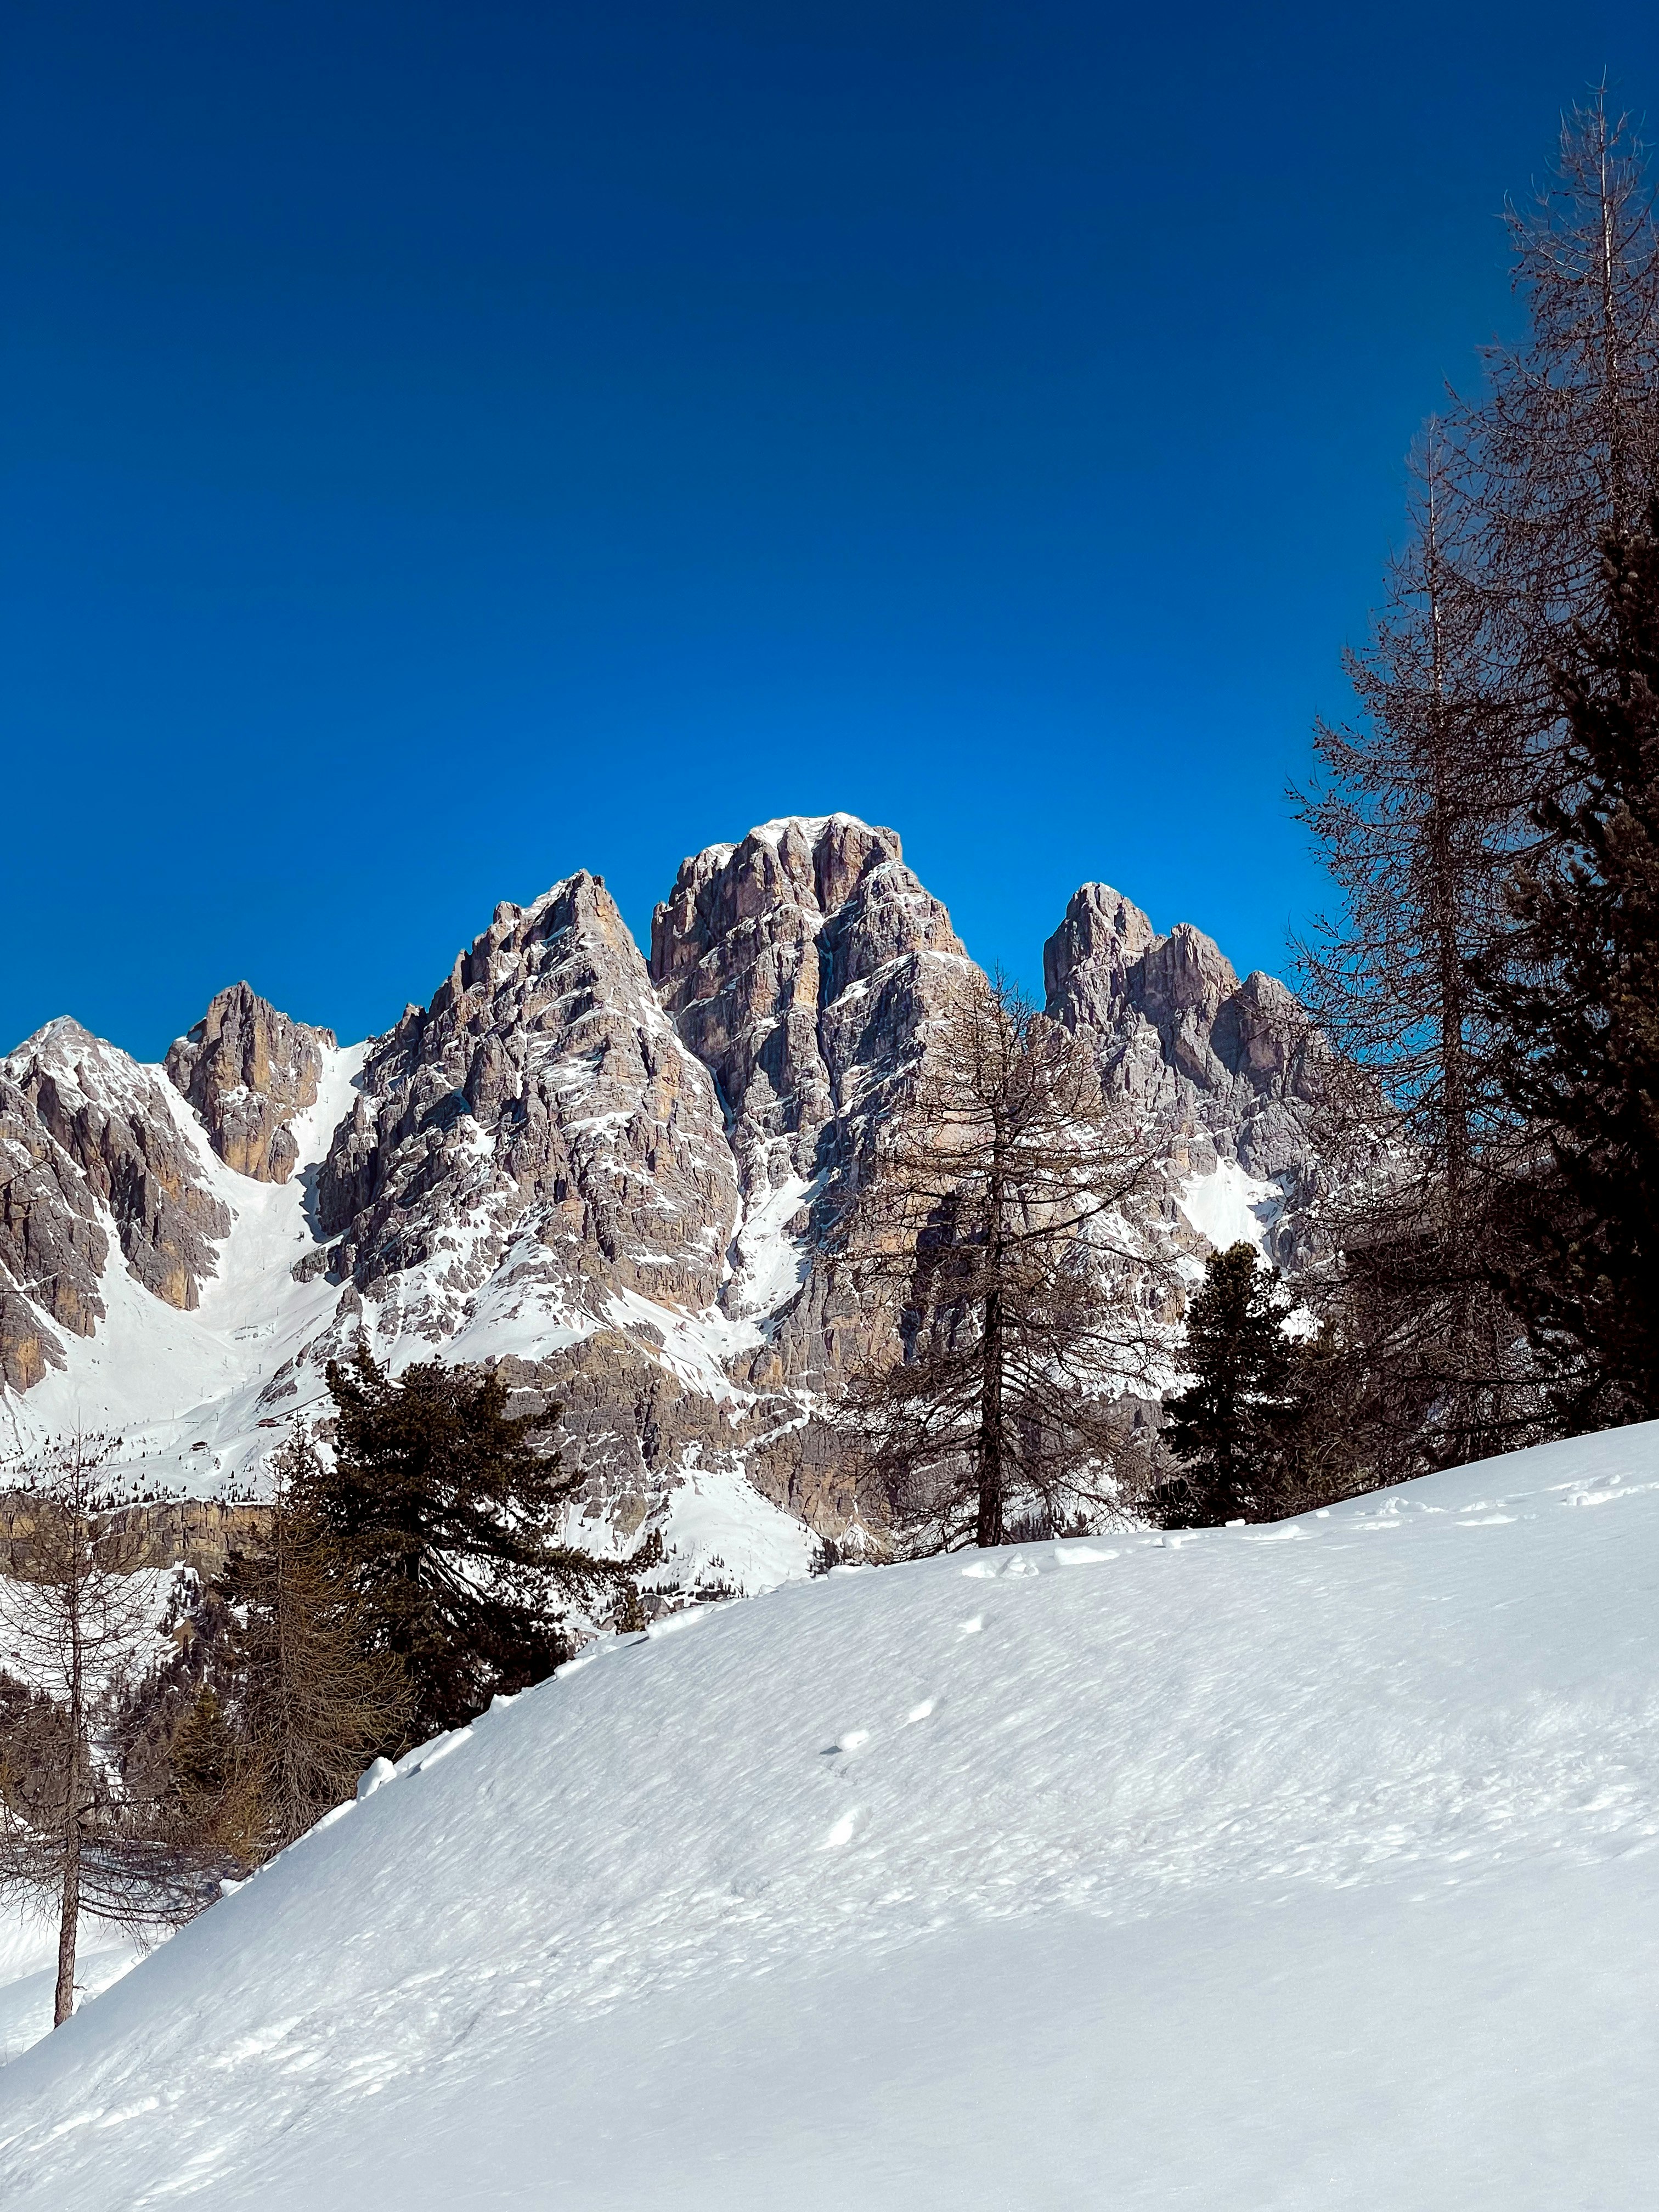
(1488,971)
(1483,1000)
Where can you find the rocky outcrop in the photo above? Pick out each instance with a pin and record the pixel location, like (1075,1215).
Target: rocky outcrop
(188,1532)
(803,967)
(1229,1068)
(53,1249)
(98,1131)
(247,1071)
(795,965)
(542,1116)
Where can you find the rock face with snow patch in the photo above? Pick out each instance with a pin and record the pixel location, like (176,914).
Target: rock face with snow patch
(247,1071)
(91,1141)
(1230,1066)
(803,967)
(542,1103)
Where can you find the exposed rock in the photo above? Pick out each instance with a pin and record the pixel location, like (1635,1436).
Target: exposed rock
(104,1134)
(247,1071)
(542,1106)
(188,1532)
(616,1183)
(804,966)
(1231,1068)
(795,966)
(51,1246)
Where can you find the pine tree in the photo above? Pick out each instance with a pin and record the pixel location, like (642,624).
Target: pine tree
(992,1216)
(1232,1427)
(447,1507)
(1576,985)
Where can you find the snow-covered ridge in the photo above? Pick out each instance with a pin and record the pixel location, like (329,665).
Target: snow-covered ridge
(1301,1867)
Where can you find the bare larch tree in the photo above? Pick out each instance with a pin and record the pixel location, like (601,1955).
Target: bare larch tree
(72,1623)
(993,1215)
(1416,808)
(301,1700)
(1432,802)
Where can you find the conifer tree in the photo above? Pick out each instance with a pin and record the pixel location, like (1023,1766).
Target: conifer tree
(1231,1428)
(74,1618)
(1574,984)
(1417,811)
(1447,782)
(302,1700)
(447,1507)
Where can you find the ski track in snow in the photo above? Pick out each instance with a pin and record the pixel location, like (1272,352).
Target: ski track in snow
(1297,1867)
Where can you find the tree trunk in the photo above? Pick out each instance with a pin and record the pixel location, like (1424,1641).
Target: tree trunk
(68,1920)
(989,1529)
(992,1486)
(69,1917)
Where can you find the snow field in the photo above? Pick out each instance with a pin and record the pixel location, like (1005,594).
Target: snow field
(1303,1866)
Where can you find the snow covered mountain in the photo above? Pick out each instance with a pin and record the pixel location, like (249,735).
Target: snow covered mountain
(1307,1867)
(605,1173)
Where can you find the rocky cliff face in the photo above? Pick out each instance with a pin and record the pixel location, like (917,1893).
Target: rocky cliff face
(613,1177)
(803,967)
(247,1071)
(541,1104)
(90,1143)
(1230,1067)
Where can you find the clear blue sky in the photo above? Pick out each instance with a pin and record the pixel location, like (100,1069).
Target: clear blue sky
(446,446)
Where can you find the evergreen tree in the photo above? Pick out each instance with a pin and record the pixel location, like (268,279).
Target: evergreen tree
(299,1700)
(1231,1427)
(447,1507)
(1576,985)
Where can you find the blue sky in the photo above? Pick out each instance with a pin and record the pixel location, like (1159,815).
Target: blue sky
(447,446)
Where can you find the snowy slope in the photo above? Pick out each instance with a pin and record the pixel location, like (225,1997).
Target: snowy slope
(1310,1866)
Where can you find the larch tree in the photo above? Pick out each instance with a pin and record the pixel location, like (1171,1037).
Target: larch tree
(1457,771)
(302,1700)
(1560,444)
(1416,811)
(994,1218)
(73,1622)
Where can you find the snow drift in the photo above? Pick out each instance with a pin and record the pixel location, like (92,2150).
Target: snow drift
(1301,1866)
